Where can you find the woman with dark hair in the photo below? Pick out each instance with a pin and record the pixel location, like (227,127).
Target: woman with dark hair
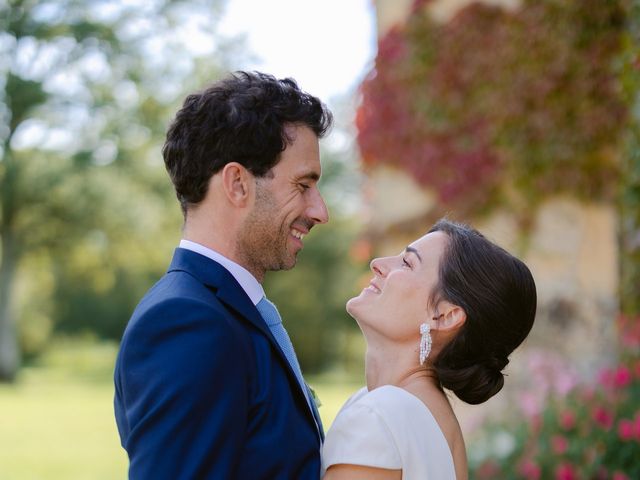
(446,313)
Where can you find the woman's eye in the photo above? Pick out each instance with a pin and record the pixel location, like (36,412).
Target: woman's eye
(405,263)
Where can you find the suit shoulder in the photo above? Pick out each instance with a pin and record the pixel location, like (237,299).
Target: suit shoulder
(179,302)
(179,285)
(171,330)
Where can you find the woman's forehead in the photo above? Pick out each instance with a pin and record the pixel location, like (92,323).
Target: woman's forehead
(434,242)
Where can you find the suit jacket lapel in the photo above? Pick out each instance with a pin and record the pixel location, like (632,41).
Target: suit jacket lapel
(229,291)
(223,284)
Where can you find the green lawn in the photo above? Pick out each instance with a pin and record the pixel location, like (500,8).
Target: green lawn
(333,391)
(57,421)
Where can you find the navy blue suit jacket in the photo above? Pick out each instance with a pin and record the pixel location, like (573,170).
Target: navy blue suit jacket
(202,390)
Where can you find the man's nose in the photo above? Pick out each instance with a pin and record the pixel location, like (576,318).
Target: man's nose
(317,210)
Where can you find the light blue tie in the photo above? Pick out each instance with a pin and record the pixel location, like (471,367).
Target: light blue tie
(273,320)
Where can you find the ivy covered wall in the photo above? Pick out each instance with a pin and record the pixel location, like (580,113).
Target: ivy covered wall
(501,107)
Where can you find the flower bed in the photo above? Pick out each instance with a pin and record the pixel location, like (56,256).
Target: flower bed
(587,430)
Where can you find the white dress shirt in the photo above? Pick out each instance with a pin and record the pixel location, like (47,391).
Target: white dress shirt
(247,281)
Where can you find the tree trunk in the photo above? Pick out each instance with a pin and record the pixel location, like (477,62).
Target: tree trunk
(9,354)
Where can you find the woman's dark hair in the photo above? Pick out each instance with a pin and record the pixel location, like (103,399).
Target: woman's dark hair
(498,294)
(241,118)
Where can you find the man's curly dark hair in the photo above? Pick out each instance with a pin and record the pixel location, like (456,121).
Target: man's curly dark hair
(241,118)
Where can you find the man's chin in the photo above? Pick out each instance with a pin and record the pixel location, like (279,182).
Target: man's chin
(291,260)
(285,264)
(290,264)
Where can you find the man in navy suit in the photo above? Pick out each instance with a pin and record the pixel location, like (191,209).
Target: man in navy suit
(207,385)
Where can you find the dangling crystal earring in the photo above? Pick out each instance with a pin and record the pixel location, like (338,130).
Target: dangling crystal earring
(425,342)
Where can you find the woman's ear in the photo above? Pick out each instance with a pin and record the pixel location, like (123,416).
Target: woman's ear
(237,183)
(451,318)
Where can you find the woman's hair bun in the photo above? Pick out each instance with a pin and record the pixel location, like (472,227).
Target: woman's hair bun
(497,293)
(497,363)
(474,384)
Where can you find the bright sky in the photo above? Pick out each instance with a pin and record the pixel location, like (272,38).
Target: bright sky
(326,45)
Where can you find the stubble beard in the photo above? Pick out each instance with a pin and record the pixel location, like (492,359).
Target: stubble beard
(261,247)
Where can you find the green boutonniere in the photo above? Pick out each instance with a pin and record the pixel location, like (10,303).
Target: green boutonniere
(315,397)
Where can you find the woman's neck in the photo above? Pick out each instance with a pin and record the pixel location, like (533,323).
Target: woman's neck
(390,366)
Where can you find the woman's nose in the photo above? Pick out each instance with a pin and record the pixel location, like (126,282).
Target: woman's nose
(377,266)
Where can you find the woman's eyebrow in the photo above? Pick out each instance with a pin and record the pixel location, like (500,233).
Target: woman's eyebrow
(413,250)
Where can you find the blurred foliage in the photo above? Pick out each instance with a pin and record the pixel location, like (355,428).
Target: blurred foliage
(88,216)
(88,88)
(630,191)
(500,107)
(77,358)
(592,432)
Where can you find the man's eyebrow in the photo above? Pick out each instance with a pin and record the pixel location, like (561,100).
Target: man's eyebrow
(310,176)
(413,250)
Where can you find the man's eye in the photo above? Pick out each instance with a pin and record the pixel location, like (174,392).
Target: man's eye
(304,186)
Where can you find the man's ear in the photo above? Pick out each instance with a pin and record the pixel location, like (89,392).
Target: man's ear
(237,183)
(451,318)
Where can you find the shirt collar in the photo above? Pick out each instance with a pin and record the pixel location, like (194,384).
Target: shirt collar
(247,281)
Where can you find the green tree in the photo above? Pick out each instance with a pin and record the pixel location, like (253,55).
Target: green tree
(88,88)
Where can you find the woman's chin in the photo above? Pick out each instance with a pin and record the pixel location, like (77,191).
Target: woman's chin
(352,306)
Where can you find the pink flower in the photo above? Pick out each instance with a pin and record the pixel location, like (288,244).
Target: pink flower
(565,381)
(536,423)
(566,472)
(550,373)
(606,378)
(636,426)
(559,444)
(530,470)
(626,429)
(530,404)
(587,393)
(488,469)
(603,417)
(629,331)
(618,475)
(567,420)
(622,377)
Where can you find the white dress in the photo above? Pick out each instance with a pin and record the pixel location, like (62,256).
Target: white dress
(389,428)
